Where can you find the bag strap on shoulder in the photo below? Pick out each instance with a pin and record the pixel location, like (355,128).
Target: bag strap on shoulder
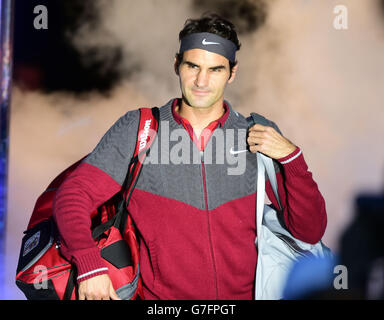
(264,160)
(148,126)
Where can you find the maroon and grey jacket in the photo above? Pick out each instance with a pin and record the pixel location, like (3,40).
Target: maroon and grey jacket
(196,222)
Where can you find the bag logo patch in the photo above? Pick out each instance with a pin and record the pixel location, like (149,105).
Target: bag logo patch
(144,135)
(31,243)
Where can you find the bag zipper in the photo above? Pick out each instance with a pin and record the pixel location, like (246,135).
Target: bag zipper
(293,246)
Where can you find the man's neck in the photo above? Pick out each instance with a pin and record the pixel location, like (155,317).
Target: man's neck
(199,118)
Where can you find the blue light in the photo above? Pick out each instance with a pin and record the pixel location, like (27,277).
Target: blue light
(6,54)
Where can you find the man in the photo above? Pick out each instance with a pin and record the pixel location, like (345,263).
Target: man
(195,217)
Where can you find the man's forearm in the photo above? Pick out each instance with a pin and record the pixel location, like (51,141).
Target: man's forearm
(79,195)
(304,206)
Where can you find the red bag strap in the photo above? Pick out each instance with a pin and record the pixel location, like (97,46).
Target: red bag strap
(149,121)
(148,126)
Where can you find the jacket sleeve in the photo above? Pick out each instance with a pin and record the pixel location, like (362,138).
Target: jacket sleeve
(303,205)
(93,182)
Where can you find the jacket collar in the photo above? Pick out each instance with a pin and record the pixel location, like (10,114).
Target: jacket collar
(178,118)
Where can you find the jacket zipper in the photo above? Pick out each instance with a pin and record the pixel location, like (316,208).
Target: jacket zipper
(208,223)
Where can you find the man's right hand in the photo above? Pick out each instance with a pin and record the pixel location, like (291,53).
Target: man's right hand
(97,288)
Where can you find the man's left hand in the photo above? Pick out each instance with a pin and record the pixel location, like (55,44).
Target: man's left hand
(268,141)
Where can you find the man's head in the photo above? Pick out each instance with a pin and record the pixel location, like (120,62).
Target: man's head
(206,61)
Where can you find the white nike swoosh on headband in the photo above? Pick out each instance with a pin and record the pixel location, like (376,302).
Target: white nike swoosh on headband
(205,42)
(231,151)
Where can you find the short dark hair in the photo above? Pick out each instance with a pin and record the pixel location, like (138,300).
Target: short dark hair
(212,23)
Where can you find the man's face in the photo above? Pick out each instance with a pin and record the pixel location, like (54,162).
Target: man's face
(203,77)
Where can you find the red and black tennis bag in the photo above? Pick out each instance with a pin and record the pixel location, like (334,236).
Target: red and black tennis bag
(44,274)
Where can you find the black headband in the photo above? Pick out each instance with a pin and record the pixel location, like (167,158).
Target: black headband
(210,42)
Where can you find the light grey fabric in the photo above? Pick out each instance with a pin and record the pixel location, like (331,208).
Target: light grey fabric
(278,250)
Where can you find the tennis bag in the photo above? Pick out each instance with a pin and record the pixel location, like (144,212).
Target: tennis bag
(44,274)
(278,250)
